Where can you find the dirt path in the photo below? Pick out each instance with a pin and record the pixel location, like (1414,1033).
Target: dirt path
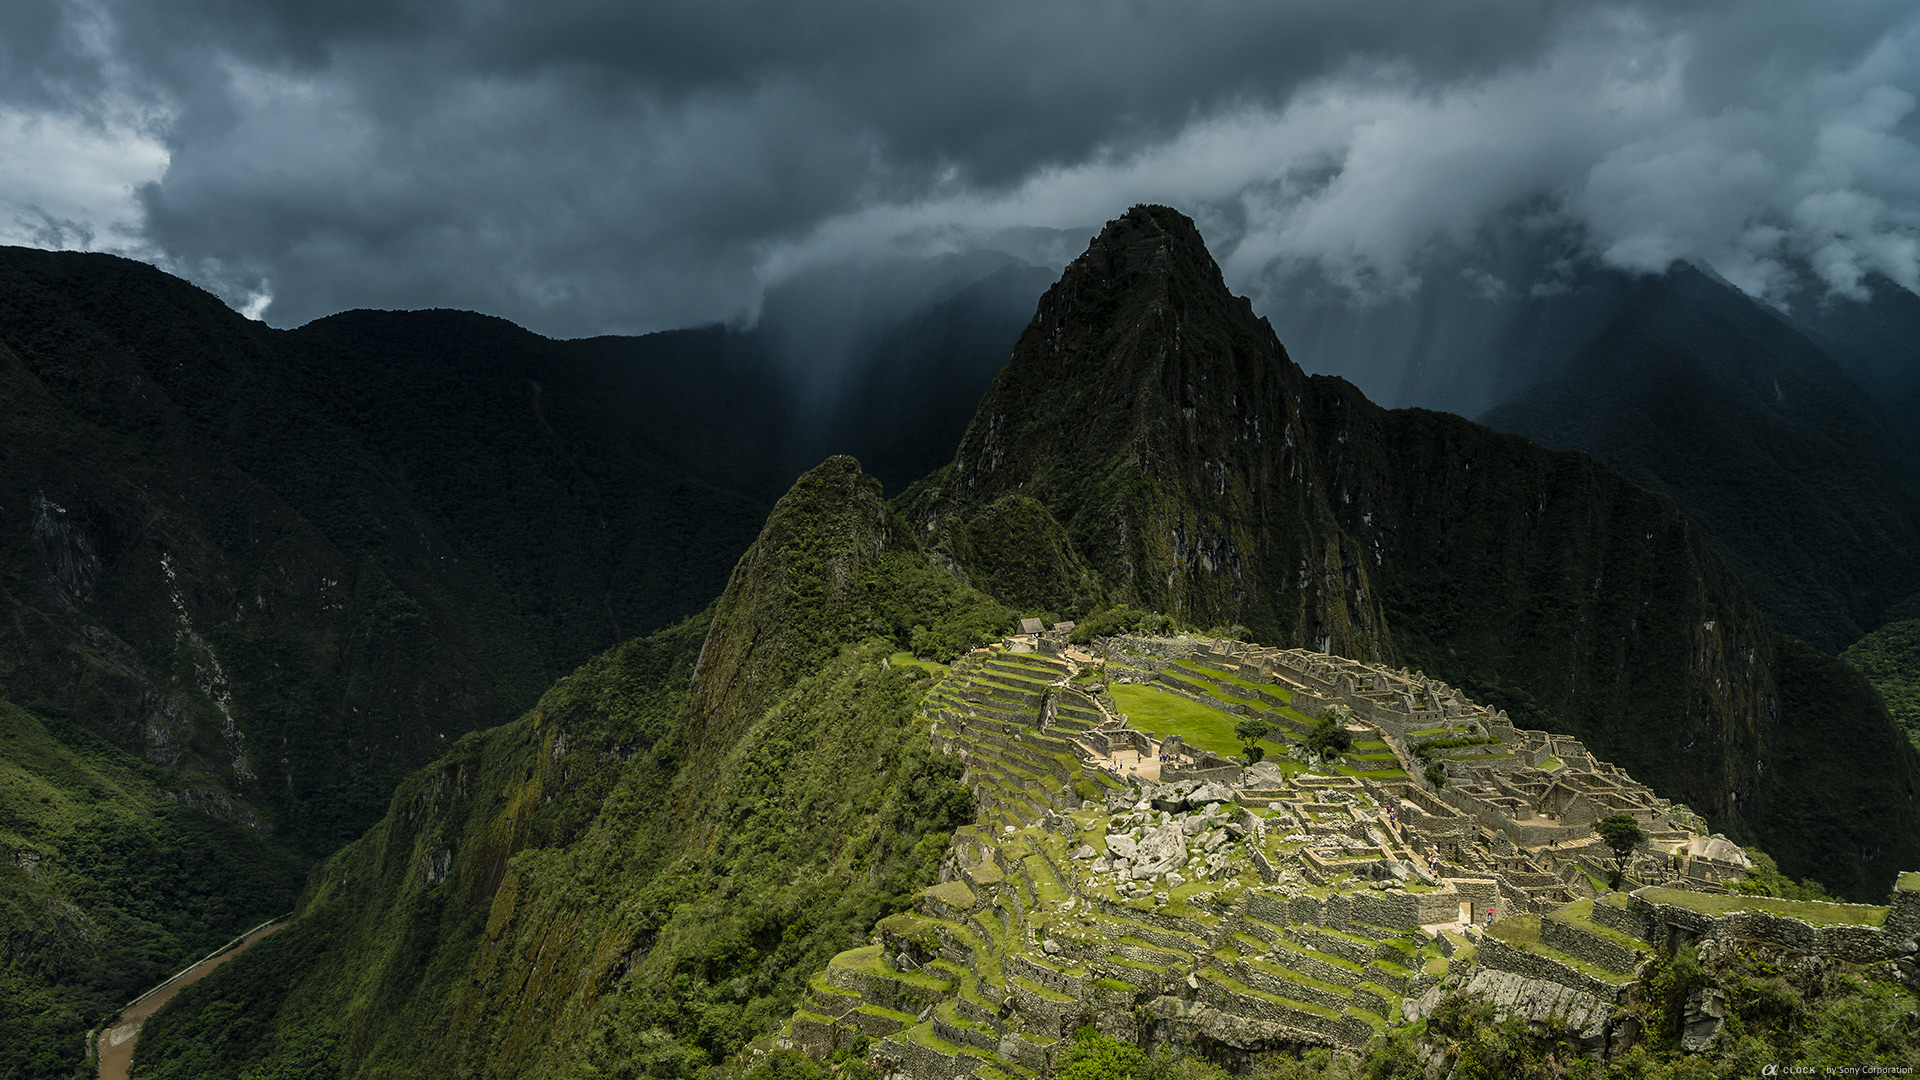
(116,1042)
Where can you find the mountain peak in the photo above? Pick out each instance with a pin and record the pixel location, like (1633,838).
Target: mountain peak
(1151,239)
(1158,421)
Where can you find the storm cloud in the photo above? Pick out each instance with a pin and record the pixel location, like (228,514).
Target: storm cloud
(586,168)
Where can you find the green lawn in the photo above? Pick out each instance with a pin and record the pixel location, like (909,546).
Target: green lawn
(1280,692)
(906,659)
(1161,713)
(1812,911)
(1370,774)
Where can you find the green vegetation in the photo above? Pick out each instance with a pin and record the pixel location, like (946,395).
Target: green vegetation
(1120,619)
(1765,879)
(1813,911)
(1250,731)
(1163,713)
(641,872)
(108,884)
(1329,738)
(1890,659)
(1621,833)
(907,659)
(1775,1015)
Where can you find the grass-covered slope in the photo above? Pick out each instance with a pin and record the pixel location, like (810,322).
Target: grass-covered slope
(1890,659)
(1150,430)
(110,880)
(635,876)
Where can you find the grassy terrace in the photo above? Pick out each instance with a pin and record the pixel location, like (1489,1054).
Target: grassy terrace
(1220,978)
(1580,914)
(906,659)
(923,1034)
(1199,668)
(1371,774)
(1523,932)
(867,959)
(1812,911)
(1162,713)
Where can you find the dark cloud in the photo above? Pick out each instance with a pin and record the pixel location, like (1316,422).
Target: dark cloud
(589,167)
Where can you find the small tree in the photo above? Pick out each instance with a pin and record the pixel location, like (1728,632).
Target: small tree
(1329,739)
(1622,833)
(1435,772)
(1251,731)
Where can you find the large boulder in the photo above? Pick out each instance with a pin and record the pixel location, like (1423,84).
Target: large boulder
(1161,851)
(1210,794)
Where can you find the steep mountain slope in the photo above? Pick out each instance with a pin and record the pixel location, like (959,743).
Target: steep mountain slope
(647,864)
(288,567)
(1154,424)
(1877,342)
(298,562)
(1153,418)
(110,872)
(1695,390)
(1890,659)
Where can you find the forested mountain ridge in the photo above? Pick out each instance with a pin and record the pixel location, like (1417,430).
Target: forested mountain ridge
(1693,389)
(277,570)
(273,556)
(645,867)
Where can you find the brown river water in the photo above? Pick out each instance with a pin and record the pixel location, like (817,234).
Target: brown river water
(116,1042)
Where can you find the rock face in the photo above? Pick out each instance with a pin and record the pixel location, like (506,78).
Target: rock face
(1588,1017)
(1160,851)
(1705,1015)
(1160,424)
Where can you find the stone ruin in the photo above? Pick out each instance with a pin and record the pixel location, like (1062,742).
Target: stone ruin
(1256,909)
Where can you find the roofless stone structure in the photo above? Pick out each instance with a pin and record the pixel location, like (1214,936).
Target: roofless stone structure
(1120,874)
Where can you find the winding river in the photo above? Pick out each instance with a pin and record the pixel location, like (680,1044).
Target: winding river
(116,1042)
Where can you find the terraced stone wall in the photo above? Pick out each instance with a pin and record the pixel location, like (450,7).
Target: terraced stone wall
(1853,942)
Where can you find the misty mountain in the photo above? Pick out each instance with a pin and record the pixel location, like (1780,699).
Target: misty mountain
(1877,342)
(901,410)
(1693,389)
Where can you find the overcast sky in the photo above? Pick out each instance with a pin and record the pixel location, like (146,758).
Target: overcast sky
(589,167)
